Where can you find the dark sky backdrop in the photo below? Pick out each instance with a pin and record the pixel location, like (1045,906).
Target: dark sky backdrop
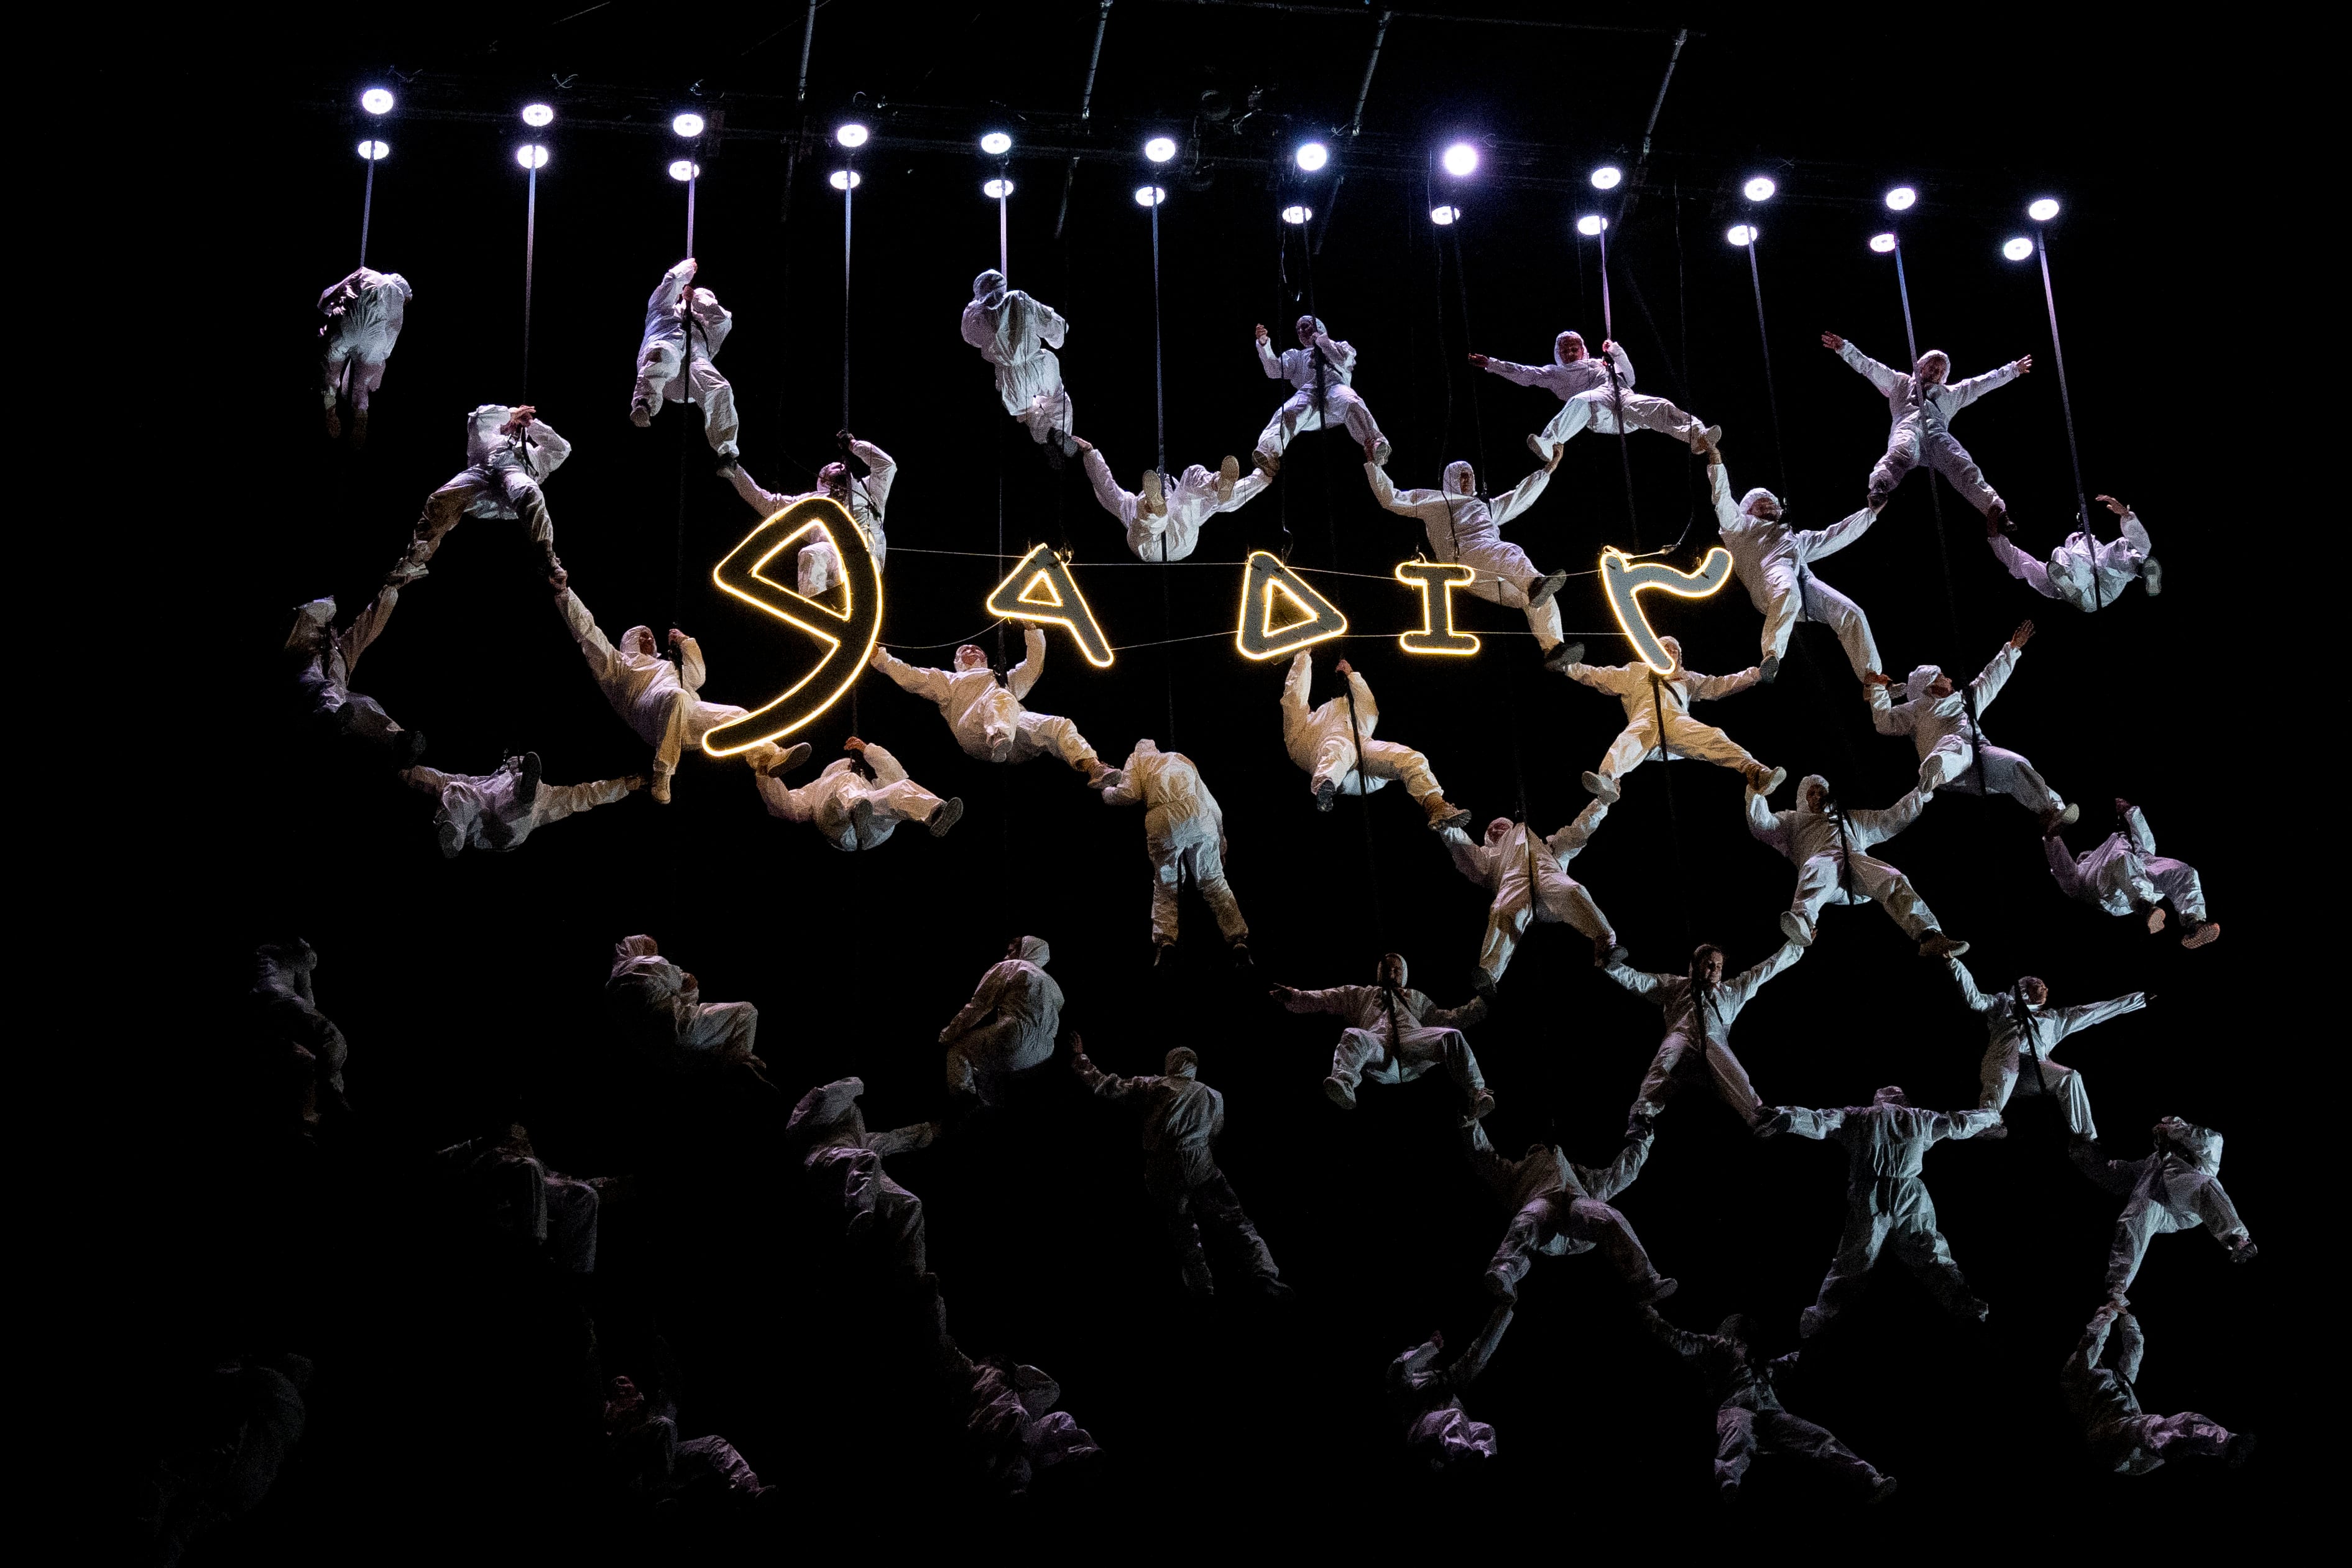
(469,986)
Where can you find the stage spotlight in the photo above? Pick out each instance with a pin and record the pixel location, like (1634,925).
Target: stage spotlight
(1160,149)
(376,101)
(2019,250)
(1882,243)
(1297,214)
(1902,198)
(1608,177)
(538,114)
(531,155)
(1150,195)
(844,180)
(1758,189)
(851,135)
(373,151)
(996,143)
(1312,156)
(683,171)
(2043,209)
(1591,223)
(688,125)
(1441,216)
(997,190)
(1460,160)
(1742,234)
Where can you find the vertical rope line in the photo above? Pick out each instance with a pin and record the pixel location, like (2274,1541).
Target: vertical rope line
(1764,341)
(1159,466)
(847,196)
(367,202)
(1673,816)
(1322,413)
(1616,392)
(2066,406)
(1935,498)
(530,253)
(1364,794)
(693,178)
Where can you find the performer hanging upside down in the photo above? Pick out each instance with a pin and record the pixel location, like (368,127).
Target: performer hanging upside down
(1774,562)
(323,660)
(2085,572)
(985,714)
(2178,1187)
(1394,1036)
(1529,879)
(1559,1209)
(1184,834)
(1581,384)
(1658,721)
(2125,875)
(2097,1383)
(501,811)
(820,563)
(1320,373)
(364,314)
(1922,405)
(1018,336)
(1827,843)
(1008,1027)
(509,456)
(859,799)
(1334,744)
(2020,1029)
(1464,529)
(1430,1403)
(684,321)
(1699,1008)
(1953,752)
(1164,524)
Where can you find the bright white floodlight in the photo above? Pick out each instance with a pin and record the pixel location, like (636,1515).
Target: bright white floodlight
(851,135)
(683,171)
(996,143)
(1297,214)
(1902,198)
(374,151)
(1311,156)
(1608,177)
(997,190)
(1742,234)
(1160,149)
(1758,189)
(844,180)
(376,101)
(1591,223)
(1150,195)
(2043,209)
(1460,160)
(1441,216)
(531,155)
(688,125)
(2019,250)
(538,114)
(1882,243)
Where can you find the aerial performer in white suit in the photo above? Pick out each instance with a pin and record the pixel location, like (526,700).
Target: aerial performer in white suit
(1581,384)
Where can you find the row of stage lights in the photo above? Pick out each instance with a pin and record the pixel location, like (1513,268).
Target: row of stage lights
(1459,160)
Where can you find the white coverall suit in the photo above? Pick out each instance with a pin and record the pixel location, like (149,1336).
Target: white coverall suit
(2178,1187)
(324,679)
(844,1164)
(1183,833)
(293,1037)
(1922,418)
(501,479)
(1828,850)
(1652,700)
(1325,743)
(1466,531)
(820,564)
(1183,1118)
(1018,336)
(2125,875)
(478,813)
(985,714)
(1430,1403)
(1014,1429)
(1007,1028)
(656,698)
(1558,1208)
(1700,1015)
(1394,1035)
(1887,1200)
(521,1197)
(1953,753)
(660,1005)
(696,326)
(854,812)
(1749,1421)
(2086,573)
(2012,1025)
(2098,1383)
(364,314)
(1582,387)
(1320,380)
(1505,864)
(1190,502)
(1774,563)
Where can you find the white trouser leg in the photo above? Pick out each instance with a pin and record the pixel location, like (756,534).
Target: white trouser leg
(1891,890)
(1642,411)
(713,395)
(1507,923)
(1563,898)
(1787,605)
(1334,762)
(2178,881)
(1687,737)
(1632,747)
(2033,574)
(1038,734)
(1574,414)
(1827,606)
(1354,412)
(1206,861)
(2067,869)
(2006,772)
(1297,413)
(1818,885)
(1388,759)
(1951,459)
(1902,456)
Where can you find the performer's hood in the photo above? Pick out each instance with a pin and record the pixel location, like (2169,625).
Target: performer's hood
(1558,355)
(1805,790)
(824,1107)
(1890,1095)
(1033,950)
(1750,498)
(1926,355)
(628,648)
(1404,970)
(1182,1062)
(2201,1146)
(311,621)
(1320,327)
(397,281)
(988,289)
(706,307)
(1914,686)
(1453,473)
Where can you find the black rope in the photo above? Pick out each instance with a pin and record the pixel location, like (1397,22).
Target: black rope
(1364,794)
(367,203)
(2066,407)
(1674,817)
(1616,392)
(530,255)
(1935,496)
(1764,343)
(1159,466)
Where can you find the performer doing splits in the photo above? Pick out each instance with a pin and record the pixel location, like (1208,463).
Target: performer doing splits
(1394,1035)
(1529,880)
(1184,834)
(859,799)
(1658,721)
(1773,562)
(1008,1027)
(2085,571)
(509,456)
(2020,1023)
(1334,744)
(1558,1208)
(1699,1008)
(1464,529)
(1018,336)
(2177,1187)
(1581,384)
(1953,752)
(1320,371)
(863,500)
(323,660)
(2125,875)
(364,314)
(501,811)
(1183,1118)
(1826,842)
(1430,1403)
(985,714)
(2097,1382)
(1922,405)
(684,321)
(1886,1199)
(1164,524)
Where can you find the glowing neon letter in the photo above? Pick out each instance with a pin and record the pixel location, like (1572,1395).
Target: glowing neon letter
(845,636)
(1255,633)
(1623,579)
(1436,579)
(1041,589)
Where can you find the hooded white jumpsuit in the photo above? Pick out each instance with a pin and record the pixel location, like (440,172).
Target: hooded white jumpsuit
(985,714)
(1582,387)
(1558,1208)
(1505,864)
(1773,561)
(324,678)
(844,1164)
(1018,336)
(820,563)
(1748,1419)
(2086,573)
(1700,1015)
(1320,380)
(2125,875)
(1325,743)
(1395,1034)
(1191,501)
(2016,1031)
(1181,1120)
(2178,1187)
(1827,848)
(1466,531)
(521,1197)
(1430,1403)
(853,811)
(1008,1027)
(1183,833)
(672,325)
(1886,1200)
(479,813)
(502,478)
(2098,1383)
(294,1036)
(1655,702)
(364,314)
(1014,1429)
(1922,418)
(660,1007)
(1953,753)
(653,697)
